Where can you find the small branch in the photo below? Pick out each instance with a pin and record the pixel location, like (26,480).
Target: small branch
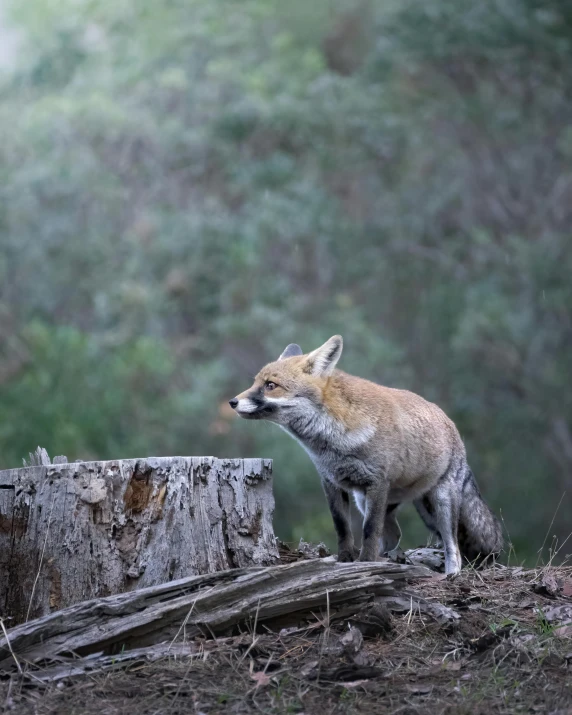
(7,640)
(41,558)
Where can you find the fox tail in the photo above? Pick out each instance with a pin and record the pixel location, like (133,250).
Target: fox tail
(480,532)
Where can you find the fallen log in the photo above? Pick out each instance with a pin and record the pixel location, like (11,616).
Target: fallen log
(72,532)
(269,598)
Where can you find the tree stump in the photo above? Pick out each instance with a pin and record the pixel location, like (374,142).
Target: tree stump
(71,532)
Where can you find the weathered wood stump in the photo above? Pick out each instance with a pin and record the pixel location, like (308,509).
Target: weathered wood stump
(71,532)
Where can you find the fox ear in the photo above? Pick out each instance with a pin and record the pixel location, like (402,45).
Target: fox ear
(323,361)
(291,351)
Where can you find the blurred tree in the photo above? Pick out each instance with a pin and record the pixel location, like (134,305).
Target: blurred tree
(186,187)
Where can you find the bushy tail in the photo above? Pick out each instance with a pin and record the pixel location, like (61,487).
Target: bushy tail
(480,532)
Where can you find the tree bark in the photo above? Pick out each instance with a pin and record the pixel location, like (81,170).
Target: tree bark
(71,532)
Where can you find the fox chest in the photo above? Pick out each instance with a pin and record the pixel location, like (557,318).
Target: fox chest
(344,457)
(348,471)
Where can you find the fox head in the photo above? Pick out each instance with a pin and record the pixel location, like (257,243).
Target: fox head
(291,388)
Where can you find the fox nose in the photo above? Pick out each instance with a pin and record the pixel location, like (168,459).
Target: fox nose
(233,403)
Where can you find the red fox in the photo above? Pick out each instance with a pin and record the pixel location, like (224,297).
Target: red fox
(383,445)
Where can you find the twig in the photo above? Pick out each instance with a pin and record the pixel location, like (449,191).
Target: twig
(549,529)
(41,560)
(254,638)
(183,681)
(186,620)
(410,612)
(511,549)
(10,646)
(555,554)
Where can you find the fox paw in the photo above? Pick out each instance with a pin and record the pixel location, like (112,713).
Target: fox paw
(398,556)
(345,556)
(367,555)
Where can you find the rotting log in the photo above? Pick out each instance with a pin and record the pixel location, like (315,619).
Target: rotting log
(166,617)
(71,532)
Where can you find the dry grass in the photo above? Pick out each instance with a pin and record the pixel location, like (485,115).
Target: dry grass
(504,655)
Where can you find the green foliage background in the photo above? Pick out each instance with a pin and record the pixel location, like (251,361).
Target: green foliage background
(188,186)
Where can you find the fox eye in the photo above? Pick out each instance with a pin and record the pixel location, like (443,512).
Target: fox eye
(270,385)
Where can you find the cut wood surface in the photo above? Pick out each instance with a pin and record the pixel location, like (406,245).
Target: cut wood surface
(71,532)
(213,605)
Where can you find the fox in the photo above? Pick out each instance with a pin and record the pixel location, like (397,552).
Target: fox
(385,446)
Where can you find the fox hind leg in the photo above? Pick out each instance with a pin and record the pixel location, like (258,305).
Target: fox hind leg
(425,511)
(443,506)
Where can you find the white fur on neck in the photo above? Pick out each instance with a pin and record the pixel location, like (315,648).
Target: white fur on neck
(329,429)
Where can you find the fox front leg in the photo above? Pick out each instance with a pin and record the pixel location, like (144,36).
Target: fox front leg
(339,503)
(374,521)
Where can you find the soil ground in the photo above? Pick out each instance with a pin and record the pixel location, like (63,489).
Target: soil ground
(509,652)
